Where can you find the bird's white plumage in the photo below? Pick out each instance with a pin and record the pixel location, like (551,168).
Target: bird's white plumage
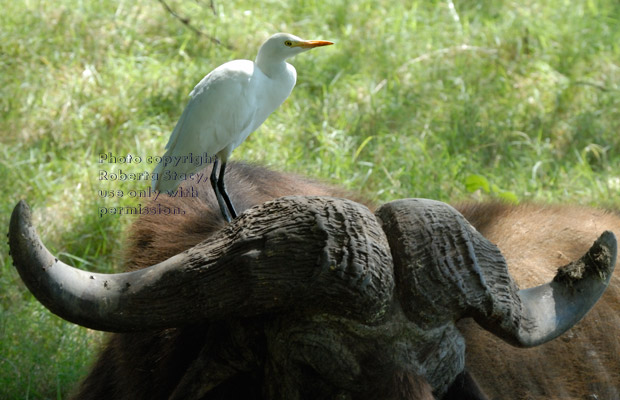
(231,102)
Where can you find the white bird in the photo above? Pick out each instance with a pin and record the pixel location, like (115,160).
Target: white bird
(227,105)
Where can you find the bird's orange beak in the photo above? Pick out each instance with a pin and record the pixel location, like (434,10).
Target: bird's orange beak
(309,44)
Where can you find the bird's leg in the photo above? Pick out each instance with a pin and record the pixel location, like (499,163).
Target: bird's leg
(220,201)
(222,187)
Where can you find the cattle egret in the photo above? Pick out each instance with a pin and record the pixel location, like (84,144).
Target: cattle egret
(227,105)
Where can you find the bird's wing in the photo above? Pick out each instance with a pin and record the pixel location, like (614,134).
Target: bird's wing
(220,109)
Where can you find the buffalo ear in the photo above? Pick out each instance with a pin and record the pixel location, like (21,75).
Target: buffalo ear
(465,387)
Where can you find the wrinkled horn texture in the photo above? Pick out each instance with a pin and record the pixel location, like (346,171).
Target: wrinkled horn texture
(445,269)
(309,253)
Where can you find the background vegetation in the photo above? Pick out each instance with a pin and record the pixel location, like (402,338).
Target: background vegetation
(519,100)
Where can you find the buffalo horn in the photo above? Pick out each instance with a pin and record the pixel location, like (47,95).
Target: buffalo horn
(446,270)
(294,253)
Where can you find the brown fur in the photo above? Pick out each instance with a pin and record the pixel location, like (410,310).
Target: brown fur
(156,237)
(406,386)
(585,361)
(535,240)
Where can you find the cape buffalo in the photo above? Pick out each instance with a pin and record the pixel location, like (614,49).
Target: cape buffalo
(316,297)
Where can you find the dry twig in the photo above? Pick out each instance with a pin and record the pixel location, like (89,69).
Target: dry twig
(187,22)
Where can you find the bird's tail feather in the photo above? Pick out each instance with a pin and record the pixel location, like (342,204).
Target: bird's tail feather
(170,176)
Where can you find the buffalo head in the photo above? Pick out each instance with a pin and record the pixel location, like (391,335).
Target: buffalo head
(317,292)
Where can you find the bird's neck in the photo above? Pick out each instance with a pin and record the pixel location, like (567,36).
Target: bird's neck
(270,67)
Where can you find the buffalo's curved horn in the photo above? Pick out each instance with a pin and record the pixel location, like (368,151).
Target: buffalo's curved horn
(444,267)
(304,253)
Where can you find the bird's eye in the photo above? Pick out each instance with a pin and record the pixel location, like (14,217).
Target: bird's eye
(288,43)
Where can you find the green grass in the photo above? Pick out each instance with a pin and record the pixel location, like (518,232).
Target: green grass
(413,101)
